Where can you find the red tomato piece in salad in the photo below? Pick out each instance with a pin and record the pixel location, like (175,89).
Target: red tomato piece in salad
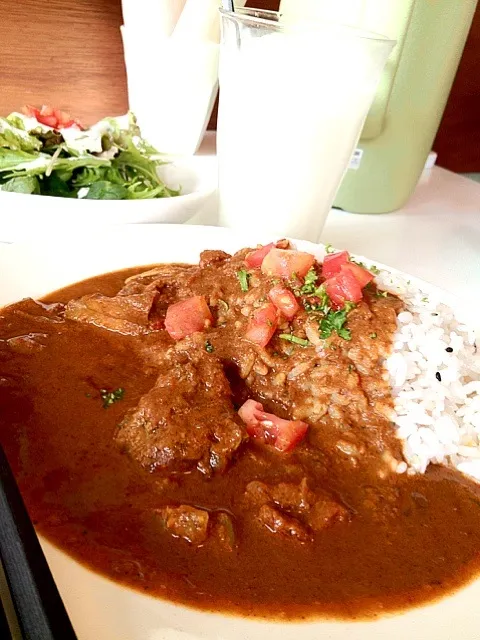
(342,288)
(263,325)
(273,431)
(333,262)
(255,258)
(65,120)
(362,275)
(286,263)
(51,117)
(187,317)
(285,301)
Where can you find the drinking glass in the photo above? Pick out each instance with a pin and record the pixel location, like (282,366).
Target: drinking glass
(293,100)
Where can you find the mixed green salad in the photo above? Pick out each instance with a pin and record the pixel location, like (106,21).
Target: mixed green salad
(44,151)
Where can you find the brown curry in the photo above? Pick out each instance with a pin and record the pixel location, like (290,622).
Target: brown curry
(131,455)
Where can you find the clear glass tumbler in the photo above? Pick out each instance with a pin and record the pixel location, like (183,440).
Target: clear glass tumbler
(293,100)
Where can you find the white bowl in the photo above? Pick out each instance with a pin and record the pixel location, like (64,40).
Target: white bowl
(25,216)
(101,609)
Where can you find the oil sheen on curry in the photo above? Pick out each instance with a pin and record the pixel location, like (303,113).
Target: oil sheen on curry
(220,435)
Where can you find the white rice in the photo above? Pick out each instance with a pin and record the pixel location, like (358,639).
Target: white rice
(437,393)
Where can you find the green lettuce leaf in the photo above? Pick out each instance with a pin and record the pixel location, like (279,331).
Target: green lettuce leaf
(17,139)
(56,185)
(103,190)
(25,184)
(11,158)
(16,121)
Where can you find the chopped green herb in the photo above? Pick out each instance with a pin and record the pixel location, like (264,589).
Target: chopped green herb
(329,248)
(425,299)
(309,282)
(291,338)
(374,269)
(243,277)
(314,307)
(381,294)
(335,321)
(408,281)
(209,347)
(346,334)
(359,262)
(109,397)
(373,335)
(321,293)
(311,276)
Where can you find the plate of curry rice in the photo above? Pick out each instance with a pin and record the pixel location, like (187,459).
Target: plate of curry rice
(228,437)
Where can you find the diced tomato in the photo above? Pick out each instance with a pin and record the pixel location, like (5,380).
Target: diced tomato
(332,263)
(343,287)
(281,434)
(50,121)
(54,118)
(65,120)
(285,301)
(287,262)
(255,258)
(31,112)
(47,111)
(263,325)
(362,275)
(187,317)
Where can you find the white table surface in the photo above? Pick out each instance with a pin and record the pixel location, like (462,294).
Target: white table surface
(435,236)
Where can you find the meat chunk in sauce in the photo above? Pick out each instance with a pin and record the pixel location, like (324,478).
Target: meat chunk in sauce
(278,522)
(293,510)
(124,314)
(185,522)
(35,312)
(197,526)
(167,279)
(187,420)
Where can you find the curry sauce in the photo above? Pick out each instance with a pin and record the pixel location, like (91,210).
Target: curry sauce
(69,388)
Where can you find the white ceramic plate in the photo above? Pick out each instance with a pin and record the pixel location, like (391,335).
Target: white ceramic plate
(103,610)
(24,216)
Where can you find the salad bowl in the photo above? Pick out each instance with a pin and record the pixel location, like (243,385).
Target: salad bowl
(65,178)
